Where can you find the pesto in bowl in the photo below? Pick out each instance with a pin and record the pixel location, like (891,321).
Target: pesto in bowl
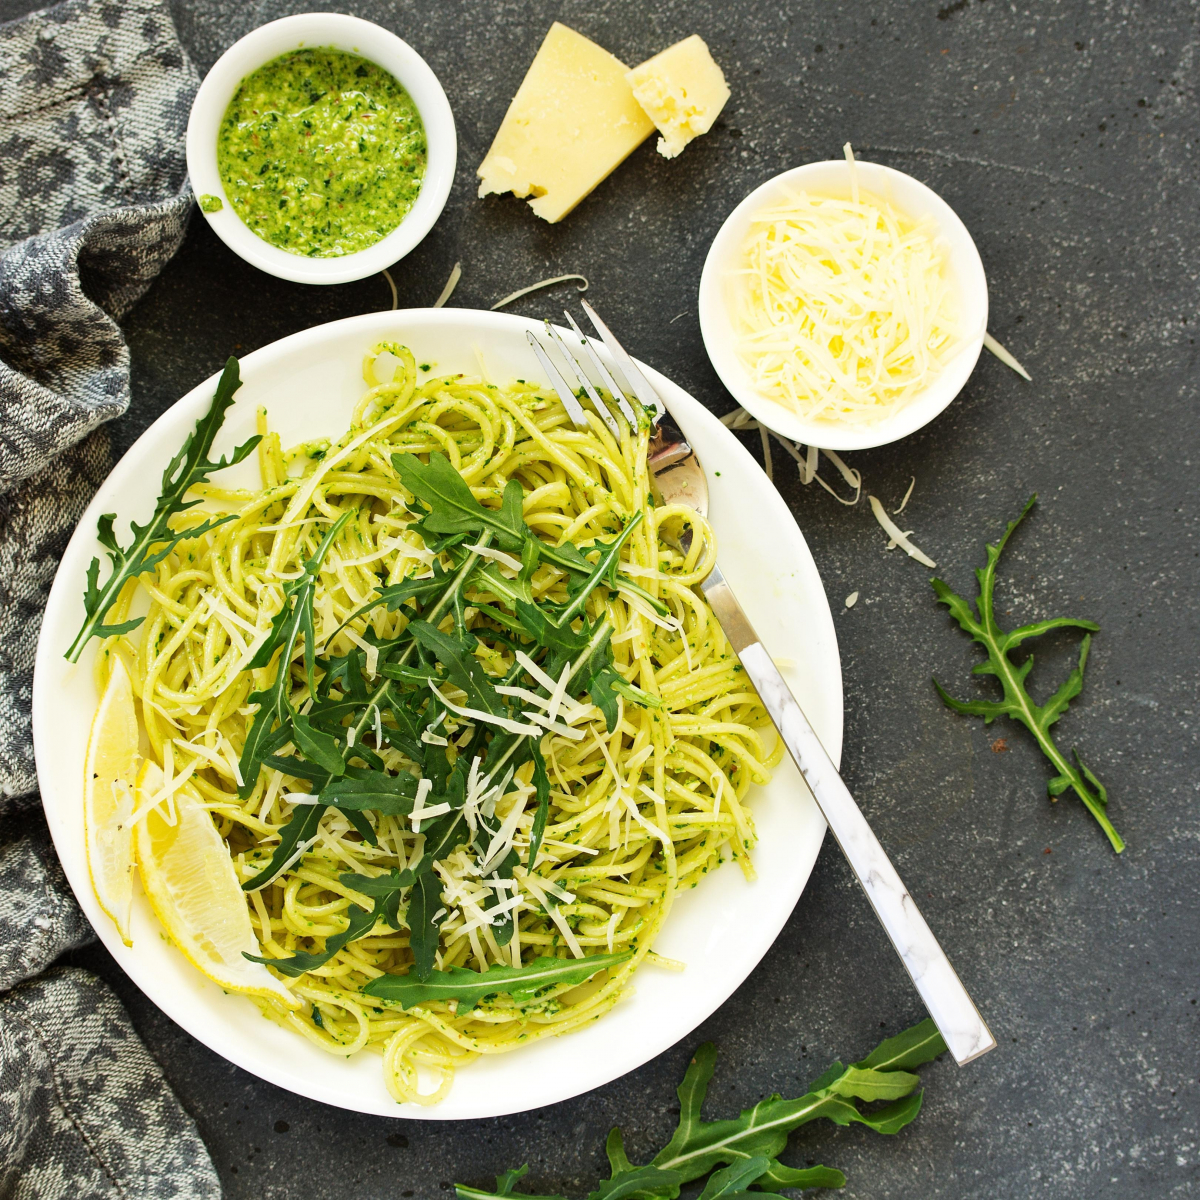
(321,152)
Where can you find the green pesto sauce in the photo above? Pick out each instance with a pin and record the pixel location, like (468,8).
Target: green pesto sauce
(210,203)
(322,153)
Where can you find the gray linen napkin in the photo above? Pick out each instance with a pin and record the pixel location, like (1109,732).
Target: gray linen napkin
(94,98)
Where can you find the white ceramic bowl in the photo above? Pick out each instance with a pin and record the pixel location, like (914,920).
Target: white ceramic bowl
(833,178)
(309,383)
(342,33)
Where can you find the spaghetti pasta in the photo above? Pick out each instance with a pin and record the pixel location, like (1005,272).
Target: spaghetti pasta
(639,807)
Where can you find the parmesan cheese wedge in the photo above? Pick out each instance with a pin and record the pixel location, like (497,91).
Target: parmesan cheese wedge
(682,90)
(571,123)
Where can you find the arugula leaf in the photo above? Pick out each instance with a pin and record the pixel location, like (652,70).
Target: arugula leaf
(424,924)
(604,571)
(913,1048)
(1017,703)
(422,590)
(504,1187)
(778,1176)
(489,579)
(541,781)
(698,1146)
(361,922)
(640,1183)
(453,508)
(384,889)
(522,983)
(153,541)
(377,885)
(562,642)
(322,748)
(626,1180)
(376,790)
(300,829)
(745,1147)
(294,619)
(457,655)
(735,1179)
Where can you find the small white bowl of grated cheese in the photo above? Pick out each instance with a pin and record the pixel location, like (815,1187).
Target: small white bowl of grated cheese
(843,304)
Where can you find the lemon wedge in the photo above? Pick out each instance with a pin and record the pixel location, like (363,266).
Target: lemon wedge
(110,773)
(189,879)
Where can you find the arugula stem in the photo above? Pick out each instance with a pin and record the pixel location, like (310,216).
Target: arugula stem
(188,468)
(980,624)
(1024,706)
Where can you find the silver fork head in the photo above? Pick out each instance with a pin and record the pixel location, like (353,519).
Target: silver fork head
(577,379)
(674,466)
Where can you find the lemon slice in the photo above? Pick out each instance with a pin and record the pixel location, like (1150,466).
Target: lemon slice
(110,773)
(191,884)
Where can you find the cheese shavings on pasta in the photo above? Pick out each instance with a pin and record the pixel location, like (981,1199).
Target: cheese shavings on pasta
(531,803)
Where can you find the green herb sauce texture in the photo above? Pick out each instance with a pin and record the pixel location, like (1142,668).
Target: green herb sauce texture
(322,153)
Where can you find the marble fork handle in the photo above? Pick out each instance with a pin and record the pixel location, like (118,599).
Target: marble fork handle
(947,1000)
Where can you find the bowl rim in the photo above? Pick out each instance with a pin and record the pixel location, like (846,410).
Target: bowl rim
(922,408)
(374,43)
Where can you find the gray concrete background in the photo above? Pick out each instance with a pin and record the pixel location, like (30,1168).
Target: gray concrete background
(1065,134)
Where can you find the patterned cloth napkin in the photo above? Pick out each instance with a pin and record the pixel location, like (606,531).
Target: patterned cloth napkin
(94,98)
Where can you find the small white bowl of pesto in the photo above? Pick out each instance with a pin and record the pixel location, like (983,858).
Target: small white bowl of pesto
(321,148)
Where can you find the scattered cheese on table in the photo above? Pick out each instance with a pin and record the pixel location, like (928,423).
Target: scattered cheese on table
(572,122)
(682,91)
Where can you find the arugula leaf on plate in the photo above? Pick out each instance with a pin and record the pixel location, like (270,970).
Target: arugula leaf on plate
(465,985)
(292,621)
(153,541)
(453,508)
(980,623)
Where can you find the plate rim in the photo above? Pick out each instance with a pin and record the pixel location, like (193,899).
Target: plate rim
(82,545)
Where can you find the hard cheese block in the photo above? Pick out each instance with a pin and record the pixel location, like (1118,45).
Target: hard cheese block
(572,121)
(682,91)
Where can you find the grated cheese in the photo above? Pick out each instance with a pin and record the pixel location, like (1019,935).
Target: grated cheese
(477,714)
(419,811)
(451,284)
(1005,356)
(370,652)
(502,841)
(541,283)
(843,308)
(898,536)
(576,735)
(506,560)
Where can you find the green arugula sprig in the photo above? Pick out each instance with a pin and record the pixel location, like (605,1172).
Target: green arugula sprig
(1017,703)
(746,1147)
(293,622)
(521,983)
(403,702)
(454,512)
(153,541)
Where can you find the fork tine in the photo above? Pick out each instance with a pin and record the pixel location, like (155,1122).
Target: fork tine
(559,384)
(581,380)
(640,384)
(617,393)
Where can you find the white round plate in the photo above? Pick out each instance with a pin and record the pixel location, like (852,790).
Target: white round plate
(309,384)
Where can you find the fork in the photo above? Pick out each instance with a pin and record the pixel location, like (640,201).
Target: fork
(680,479)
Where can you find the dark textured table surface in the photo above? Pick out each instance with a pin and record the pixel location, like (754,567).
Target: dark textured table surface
(1065,134)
